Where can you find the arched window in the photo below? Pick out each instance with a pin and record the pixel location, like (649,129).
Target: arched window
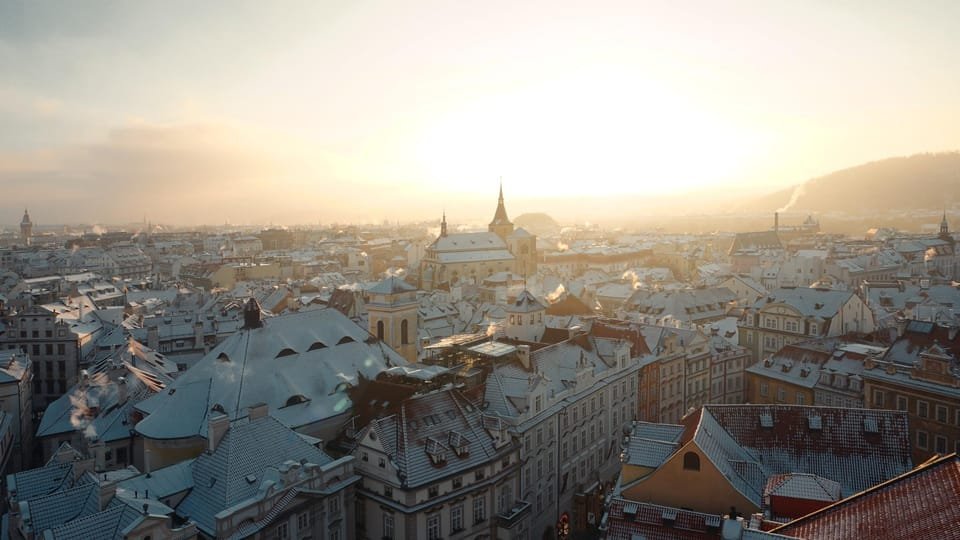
(691,461)
(380,330)
(404,337)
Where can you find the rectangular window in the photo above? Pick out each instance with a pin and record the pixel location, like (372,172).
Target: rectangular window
(333,506)
(478,475)
(388,526)
(433,491)
(878,399)
(387,491)
(457,482)
(456,519)
(781,394)
(283,531)
(479,509)
(61,349)
(764,389)
(923,409)
(922,440)
(902,403)
(433,527)
(48,349)
(941,414)
(941,444)
(801,399)
(563,449)
(303,521)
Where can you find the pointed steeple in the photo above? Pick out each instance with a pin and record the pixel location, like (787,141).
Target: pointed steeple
(501,225)
(944,226)
(443,224)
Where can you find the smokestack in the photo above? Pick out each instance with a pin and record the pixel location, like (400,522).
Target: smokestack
(776,222)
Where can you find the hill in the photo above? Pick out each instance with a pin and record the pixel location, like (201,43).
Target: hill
(537,223)
(922,181)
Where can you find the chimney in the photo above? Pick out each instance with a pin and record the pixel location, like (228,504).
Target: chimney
(121,390)
(198,335)
(217,427)
(523,354)
(776,222)
(153,338)
(573,332)
(251,315)
(108,489)
(257,411)
(901,326)
(98,450)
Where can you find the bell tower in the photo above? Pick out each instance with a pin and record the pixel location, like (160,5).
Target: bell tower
(26,228)
(393,315)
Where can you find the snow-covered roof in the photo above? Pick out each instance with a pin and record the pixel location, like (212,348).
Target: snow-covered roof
(525,303)
(438,422)
(299,364)
(236,470)
(474,256)
(391,285)
(468,242)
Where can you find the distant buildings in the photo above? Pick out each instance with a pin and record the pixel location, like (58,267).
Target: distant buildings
(789,315)
(473,256)
(920,376)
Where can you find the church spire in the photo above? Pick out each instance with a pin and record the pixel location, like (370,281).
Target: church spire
(443,224)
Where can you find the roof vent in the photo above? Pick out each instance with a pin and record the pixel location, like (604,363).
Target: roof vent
(630,509)
(815,422)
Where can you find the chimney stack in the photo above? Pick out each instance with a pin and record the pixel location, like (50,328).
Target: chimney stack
(523,354)
(251,315)
(776,222)
(257,411)
(216,429)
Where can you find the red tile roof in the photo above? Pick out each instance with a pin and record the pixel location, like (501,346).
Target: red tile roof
(917,505)
(858,448)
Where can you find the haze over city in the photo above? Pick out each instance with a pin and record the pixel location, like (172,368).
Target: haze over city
(306,112)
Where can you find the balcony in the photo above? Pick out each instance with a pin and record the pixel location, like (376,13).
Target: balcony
(514,515)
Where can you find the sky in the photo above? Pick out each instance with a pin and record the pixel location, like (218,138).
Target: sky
(313,112)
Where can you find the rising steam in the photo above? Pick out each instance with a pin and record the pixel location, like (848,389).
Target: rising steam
(797,193)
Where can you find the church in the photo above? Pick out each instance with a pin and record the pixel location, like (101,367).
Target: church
(470,257)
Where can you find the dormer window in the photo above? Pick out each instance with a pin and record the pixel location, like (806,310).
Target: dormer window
(436,452)
(459,444)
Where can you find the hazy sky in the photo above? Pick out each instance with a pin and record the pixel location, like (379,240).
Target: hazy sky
(185,111)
